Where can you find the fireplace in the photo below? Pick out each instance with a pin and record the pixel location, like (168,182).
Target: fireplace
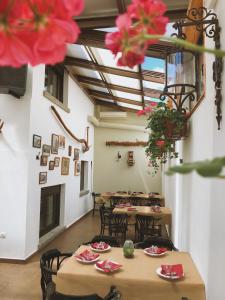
(50,209)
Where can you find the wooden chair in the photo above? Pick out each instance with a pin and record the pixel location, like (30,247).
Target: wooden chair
(145,226)
(104,217)
(116,200)
(118,225)
(94,195)
(50,262)
(110,240)
(156,241)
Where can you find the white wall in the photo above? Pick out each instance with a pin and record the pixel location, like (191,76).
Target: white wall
(113,175)
(201,221)
(20,175)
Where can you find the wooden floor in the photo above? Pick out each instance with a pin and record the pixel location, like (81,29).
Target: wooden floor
(22,281)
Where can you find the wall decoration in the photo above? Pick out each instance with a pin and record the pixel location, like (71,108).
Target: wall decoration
(70,150)
(65,166)
(55,143)
(36,141)
(130,159)
(76,154)
(42,177)
(126,144)
(62,142)
(46,150)
(82,141)
(44,160)
(57,161)
(1,125)
(51,165)
(77,167)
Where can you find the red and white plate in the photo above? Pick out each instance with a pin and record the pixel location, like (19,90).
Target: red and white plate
(84,261)
(152,253)
(87,257)
(96,249)
(170,277)
(111,266)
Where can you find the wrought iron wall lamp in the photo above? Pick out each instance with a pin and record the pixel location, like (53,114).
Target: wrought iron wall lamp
(182,83)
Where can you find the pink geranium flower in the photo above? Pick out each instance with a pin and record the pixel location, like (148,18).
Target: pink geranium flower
(160,143)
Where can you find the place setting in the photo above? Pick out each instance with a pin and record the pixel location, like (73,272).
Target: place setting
(87,257)
(156,209)
(107,266)
(170,272)
(100,247)
(155,251)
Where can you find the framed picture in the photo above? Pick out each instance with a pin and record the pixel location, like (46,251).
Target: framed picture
(36,141)
(70,150)
(65,166)
(44,160)
(55,143)
(77,166)
(57,161)
(51,165)
(76,154)
(42,177)
(62,142)
(46,150)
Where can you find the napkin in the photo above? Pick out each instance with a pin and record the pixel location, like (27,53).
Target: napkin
(108,266)
(131,208)
(156,250)
(120,205)
(100,245)
(172,270)
(156,209)
(87,255)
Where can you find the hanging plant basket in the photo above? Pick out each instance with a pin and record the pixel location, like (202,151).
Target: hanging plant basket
(173,132)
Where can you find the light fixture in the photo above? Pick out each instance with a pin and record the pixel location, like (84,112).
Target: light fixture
(182,83)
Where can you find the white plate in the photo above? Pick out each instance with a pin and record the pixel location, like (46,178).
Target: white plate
(87,261)
(101,250)
(154,254)
(158,271)
(100,269)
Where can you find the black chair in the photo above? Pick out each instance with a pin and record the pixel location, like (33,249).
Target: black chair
(94,195)
(156,241)
(146,226)
(50,262)
(53,295)
(116,200)
(135,201)
(110,240)
(104,218)
(118,225)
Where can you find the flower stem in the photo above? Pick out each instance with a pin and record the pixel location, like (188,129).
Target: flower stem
(185,44)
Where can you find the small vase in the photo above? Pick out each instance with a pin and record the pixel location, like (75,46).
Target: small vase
(128,249)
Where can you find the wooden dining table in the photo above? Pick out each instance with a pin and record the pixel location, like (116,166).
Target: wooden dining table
(165,213)
(106,196)
(136,280)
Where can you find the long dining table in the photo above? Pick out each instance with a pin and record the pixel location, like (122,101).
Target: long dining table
(136,280)
(106,196)
(165,213)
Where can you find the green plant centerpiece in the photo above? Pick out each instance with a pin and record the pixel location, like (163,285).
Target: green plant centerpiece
(166,125)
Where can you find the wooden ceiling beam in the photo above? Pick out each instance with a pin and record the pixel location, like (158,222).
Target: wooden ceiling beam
(121,6)
(97,82)
(115,106)
(109,20)
(98,94)
(82,63)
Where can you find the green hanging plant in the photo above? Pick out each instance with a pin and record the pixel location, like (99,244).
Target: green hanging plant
(205,168)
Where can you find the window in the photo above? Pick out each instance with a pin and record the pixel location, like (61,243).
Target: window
(84,176)
(54,79)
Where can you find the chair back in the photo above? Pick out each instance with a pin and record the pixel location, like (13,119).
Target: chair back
(156,241)
(47,260)
(116,200)
(110,240)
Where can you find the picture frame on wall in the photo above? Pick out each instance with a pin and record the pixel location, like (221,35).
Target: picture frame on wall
(57,161)
(51,165)
(76,154)
(36,141)
(42,177)
(77,167)
(65,166)
(55,143)
(44,160)
(70,150)
(62,142)
(46,150)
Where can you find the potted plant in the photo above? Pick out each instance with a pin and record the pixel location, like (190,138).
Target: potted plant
(166,125)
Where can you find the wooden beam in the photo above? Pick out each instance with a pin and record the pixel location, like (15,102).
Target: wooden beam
(109,20)
(113,105)
(98,94)
(121,6)
(82,63)
(97,82)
